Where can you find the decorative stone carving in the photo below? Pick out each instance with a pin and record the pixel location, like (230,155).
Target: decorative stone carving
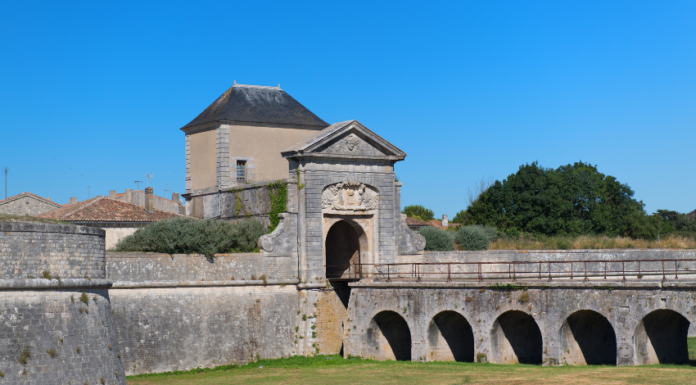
(349,196)
(352,144)
(267,241)
(420,242)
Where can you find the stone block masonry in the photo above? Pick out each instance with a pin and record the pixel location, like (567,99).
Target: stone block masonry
(181,269)
(54,331)
(67,251)
(166,329)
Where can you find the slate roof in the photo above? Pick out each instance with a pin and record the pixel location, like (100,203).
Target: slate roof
(28,194)
(257,104)
(103,209)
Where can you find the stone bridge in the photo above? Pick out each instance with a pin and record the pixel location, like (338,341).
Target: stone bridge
(627,318)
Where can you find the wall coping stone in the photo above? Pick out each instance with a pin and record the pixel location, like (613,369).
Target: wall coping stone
(135,254)
(53,284)
(599,285)
(175,284)
(50,228)
(471,252)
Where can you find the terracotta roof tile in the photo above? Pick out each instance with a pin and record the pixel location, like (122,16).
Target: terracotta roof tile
(103,209)
(413,222)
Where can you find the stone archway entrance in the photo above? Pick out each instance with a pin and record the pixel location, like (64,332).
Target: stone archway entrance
(343,251)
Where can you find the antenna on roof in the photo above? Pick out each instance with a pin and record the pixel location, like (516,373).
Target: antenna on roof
(137,185)
(148,177)
(166,187)
(6,170)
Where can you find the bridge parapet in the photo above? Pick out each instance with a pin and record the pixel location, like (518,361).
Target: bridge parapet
(586,265)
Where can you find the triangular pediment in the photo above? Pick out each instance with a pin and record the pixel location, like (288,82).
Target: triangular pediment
(348,139)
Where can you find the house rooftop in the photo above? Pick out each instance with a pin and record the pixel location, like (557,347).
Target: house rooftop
(103,209)
(257,104)
(28,194)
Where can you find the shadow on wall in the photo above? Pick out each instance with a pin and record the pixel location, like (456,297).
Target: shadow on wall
(661,338)
(515,337)
(389,337)
(451,338)
(587,338)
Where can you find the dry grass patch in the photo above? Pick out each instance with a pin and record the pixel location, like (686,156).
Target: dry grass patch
(529,242)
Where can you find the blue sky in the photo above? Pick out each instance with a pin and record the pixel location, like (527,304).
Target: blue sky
(94,93)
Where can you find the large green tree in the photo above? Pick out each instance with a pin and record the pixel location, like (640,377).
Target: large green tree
(570,200)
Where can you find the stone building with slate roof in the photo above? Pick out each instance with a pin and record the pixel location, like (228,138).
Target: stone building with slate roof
(27,203)
(118,219)
(237,141)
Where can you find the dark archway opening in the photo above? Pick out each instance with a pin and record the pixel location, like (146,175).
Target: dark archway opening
(588,338)
(661,338)
(389,337)
(451,338)
(342,251)
(516,337)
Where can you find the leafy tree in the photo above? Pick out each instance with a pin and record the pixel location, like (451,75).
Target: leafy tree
(570,200)
(418,212)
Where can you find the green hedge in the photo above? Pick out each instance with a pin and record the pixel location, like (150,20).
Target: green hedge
(195,236)
(437,240)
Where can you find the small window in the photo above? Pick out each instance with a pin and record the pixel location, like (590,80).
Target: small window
(241,170)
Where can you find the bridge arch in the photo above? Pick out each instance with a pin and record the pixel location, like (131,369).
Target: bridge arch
(516,338)
(389,337)
(588,338)
(660,338)
(450,338)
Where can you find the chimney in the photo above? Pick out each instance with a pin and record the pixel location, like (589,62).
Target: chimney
(175,197)
(73,200)
(112,194)
(129,195)
(445,222)
(48,198)
(149,200)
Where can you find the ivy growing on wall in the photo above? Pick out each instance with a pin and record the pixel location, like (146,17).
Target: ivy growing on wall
(278,192)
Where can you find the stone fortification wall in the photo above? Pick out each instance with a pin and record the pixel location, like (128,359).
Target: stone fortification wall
(29,249)
(65,324)
(194,269)
(179,312)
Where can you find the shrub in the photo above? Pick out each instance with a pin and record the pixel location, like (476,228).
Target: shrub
(437,240)
(475,237)
(194,236)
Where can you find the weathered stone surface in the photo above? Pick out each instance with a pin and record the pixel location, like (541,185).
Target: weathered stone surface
(29,249)
(183,328)
(648,321)
(154,267)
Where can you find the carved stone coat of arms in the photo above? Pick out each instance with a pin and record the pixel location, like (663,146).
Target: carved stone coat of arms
(349,196)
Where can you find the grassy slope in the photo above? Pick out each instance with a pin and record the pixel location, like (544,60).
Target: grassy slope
(336,371)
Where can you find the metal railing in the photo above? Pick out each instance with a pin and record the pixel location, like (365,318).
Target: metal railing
(663,269)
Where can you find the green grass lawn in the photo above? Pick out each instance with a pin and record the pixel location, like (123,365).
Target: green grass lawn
(334,370)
